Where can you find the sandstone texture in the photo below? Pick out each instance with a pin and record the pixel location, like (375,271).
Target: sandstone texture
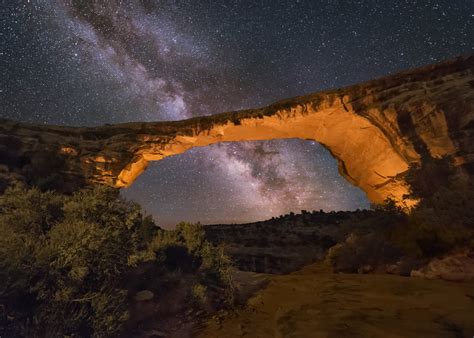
(374,129)
(456,267)
(315,303)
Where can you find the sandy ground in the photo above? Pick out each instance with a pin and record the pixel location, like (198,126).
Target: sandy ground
(316,303)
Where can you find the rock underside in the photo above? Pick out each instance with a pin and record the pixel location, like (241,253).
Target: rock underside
(375,130)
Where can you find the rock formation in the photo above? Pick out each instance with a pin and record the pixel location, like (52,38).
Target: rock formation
(375,130)
(457,266)
(287,243)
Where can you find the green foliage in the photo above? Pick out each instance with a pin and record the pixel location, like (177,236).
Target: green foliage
(429,176)
(199,294)
(368,246)
(186,248)
(43,169)
(439,223)
(444,218)
(62,259)
(30,212)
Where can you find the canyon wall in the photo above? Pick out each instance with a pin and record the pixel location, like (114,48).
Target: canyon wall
(375,130)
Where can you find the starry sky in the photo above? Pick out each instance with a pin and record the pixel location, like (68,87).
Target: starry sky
(90,62)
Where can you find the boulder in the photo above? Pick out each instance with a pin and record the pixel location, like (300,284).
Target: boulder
(144,295)
(456,267)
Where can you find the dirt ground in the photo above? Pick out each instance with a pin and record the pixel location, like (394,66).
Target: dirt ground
(316,303)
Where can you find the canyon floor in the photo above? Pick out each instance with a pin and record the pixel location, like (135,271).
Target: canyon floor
(315,303)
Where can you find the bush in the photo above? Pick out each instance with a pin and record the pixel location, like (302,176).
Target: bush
(186,249)
(62,259)
(359,252)
(198,295)
(444,218)
(428,176)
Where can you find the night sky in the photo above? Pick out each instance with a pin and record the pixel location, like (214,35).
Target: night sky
(86,62)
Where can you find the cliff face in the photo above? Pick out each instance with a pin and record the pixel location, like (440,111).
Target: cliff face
(375,130)
(287,243)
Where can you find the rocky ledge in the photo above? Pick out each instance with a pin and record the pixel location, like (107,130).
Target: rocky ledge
(286,243)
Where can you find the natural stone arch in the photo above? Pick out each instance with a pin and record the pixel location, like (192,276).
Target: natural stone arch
(375,130)
(365,155)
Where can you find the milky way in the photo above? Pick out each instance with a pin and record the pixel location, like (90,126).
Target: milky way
(81,62)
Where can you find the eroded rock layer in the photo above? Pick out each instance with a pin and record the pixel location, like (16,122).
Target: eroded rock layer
(375,130)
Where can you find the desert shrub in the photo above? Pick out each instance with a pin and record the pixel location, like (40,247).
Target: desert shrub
(439,223)
(366,242)
(186,248)
(364,250)
(429,176)
(444,217)
(199,295)
(216,267)
(30,212)
(62,259)
(192,235)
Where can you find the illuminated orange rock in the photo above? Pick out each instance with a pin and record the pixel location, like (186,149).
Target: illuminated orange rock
(375,130)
